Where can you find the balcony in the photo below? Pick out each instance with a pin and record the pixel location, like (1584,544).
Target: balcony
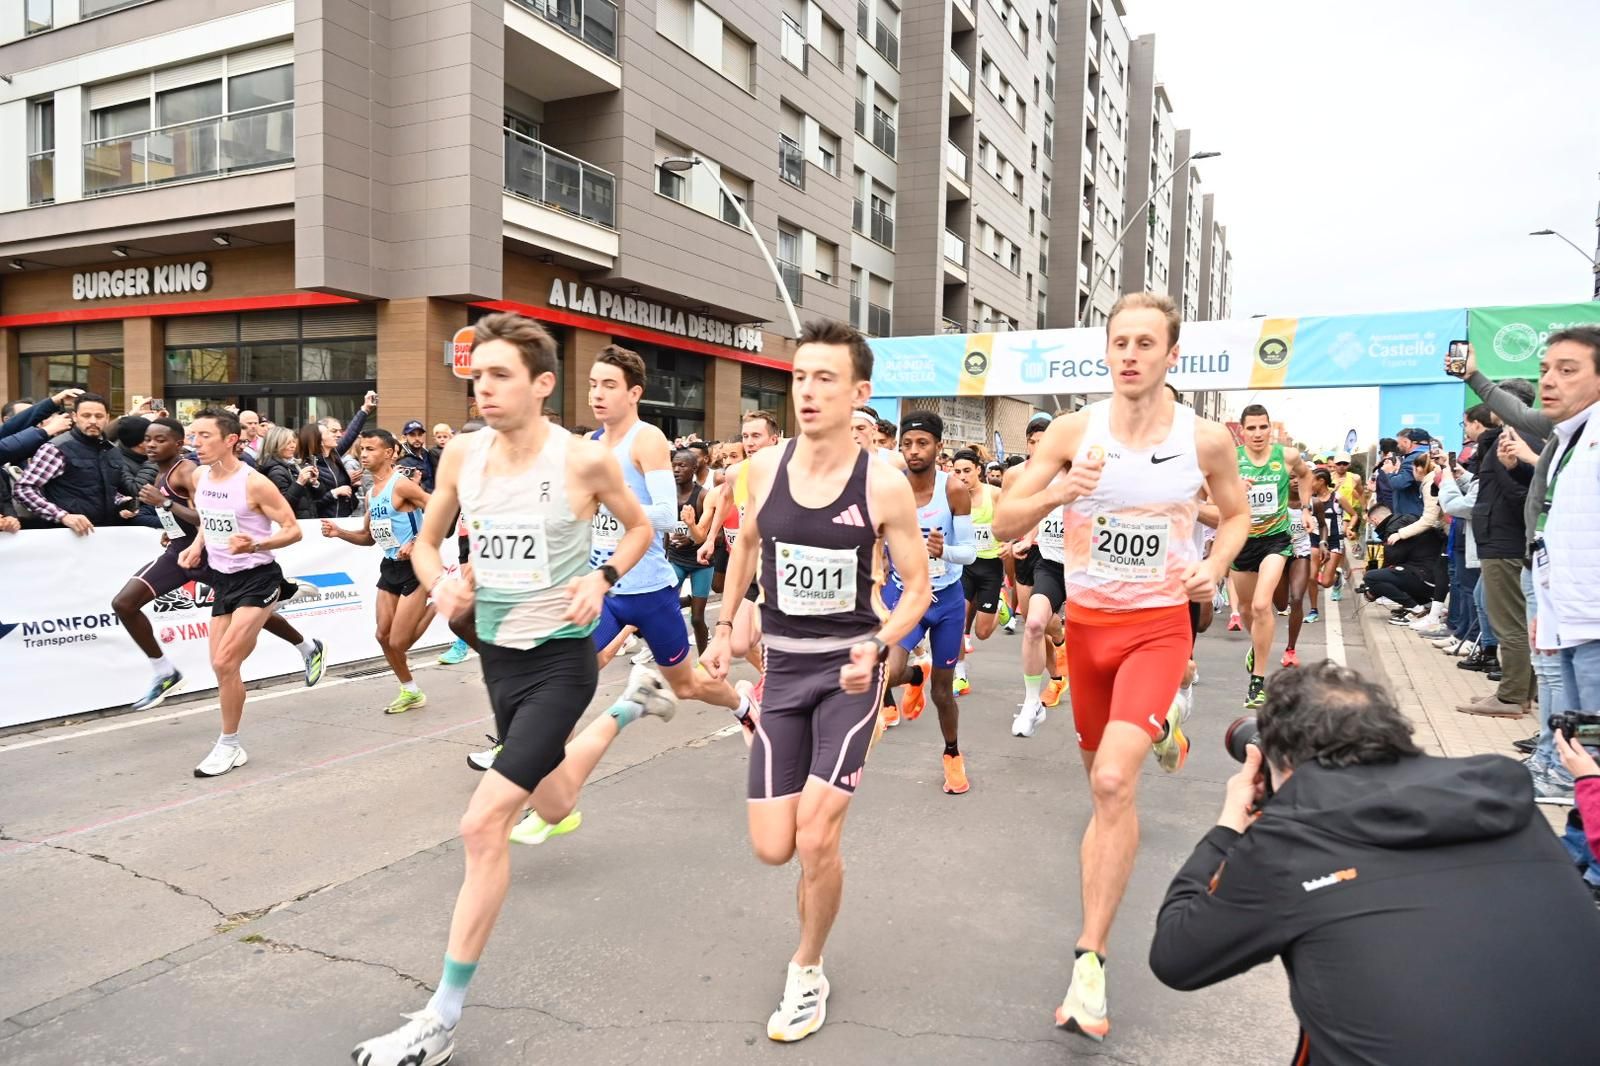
(558,202)
(955,249)
(883,133)
(213,147)
(857,219)
(792,44)
(42,178)
(880,323)
(790,272)
(886,44)
(882,229)
(955,173)
(950,325)
(961,18)
(560,49)
(791,162)
(960,86)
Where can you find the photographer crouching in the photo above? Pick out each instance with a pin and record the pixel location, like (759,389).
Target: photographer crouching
(1423,911)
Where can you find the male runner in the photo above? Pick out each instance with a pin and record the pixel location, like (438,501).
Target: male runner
(171,497)
(816,511)
(1290,595)
(394,517)
(529,491)
(1327,541)
(1267,469)
(1041,592)
(1127,472)
(944,518)
(758,431)
(983,578)
(684,539)
(237,508)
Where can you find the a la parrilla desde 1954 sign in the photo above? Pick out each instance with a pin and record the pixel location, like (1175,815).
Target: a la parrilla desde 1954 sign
(638,311)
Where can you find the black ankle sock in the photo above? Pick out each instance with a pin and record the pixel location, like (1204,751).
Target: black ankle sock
(951,749)
(1078,953)
(915,676)
(888,697)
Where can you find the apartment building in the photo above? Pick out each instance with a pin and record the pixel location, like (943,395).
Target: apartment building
(1216,287)
(1183,280)
(1147,248)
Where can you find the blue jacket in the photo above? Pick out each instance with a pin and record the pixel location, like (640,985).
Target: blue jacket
(1403,483)
(20,435)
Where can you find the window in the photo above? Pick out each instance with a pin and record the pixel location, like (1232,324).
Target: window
(101,7)
(884,37)
(764,389)
(189,104)
(827,262)
(1049,137)
(883,131)
(87,356)
(737,53)
(702,33)
(42,151)
(671,184)
(789,261)
(828,151)
(792,43)
(791,161)
(38,16)
(882,229)
(829,41)
(740,187)
(880,297)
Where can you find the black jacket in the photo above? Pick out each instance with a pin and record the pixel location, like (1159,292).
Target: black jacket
(303,498)
(1423,911)
(332,474)
(1498,526)
(126,472)
(84,485)
(422,460)
(8,505)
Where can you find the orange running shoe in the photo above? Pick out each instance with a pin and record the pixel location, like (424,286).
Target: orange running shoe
(916,698)
(1052,691)
(1061,658)
(955,775)
(1290,658)
(890,714)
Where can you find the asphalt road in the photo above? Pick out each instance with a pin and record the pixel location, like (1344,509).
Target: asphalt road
(281,913)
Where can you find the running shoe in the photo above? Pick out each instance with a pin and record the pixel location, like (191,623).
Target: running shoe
(535,830)
(803,1007)
(1172,750)
(1250,661)
(1061,658)
(1186,695)
(1449,644)
(962,686)
(1550,791)
(1337,594)
(455,653)
(315,662)
(1003,615)
(423,1041)
(955,775)
(966,645)
(651,692)
(628,644)
(1053,689)
(483,760)
(1284,613)
(747,692)
(1313,616)
(1028,719)
(1255,696)
(1084,1008)
(407,700)
(1010,626)
(644,658)
(1290,658)
(916,697)
(164,686)
(1234,625)
(223,758)
(890,715)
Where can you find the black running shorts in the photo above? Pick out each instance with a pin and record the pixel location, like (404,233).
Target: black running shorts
(259,586)
(538,695)
(163,574)
(397,576)
(1024,564)
(980,581)
(809,726)
(1258,548)
(1050,581)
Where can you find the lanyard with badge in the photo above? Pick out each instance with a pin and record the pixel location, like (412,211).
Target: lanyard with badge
(1541,554)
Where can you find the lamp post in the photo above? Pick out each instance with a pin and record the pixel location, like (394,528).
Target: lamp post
(1142,213)
(682,164)
(1594,265)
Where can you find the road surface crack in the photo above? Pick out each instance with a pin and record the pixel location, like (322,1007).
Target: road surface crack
(286,947)
(97,857)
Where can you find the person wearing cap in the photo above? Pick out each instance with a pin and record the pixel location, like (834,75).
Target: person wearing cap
(1349,491)
(416,461)
(1403,480)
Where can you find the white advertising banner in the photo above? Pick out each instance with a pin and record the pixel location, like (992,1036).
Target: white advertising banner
(63,650)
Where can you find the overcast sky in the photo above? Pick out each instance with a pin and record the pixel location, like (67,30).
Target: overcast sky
(1385,156)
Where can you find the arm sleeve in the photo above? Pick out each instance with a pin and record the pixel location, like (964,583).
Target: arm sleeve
(19,446)
(964,548)
(1512,411)
(351,432)
(1221,915)
(662,507)
(43,468)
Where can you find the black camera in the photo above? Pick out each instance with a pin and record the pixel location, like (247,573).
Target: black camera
(1580,726)
(1240,735)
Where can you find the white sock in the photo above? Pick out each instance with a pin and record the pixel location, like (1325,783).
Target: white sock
(228,740)
(162,666)
(744,708)
(1031,687)
(307,648)
(961,669)
(409,686)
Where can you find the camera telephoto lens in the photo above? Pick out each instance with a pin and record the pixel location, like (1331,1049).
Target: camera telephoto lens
(1240,735)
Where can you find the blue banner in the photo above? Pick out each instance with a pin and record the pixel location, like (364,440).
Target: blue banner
(1404,348)
(1435,408)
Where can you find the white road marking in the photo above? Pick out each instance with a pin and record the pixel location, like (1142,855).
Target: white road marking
(1335,634)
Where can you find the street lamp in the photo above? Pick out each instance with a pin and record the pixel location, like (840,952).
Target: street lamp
(1142,213)
(683,164)
(1593,264)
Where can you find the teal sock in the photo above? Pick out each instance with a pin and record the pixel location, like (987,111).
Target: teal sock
(625,711)
(452,994)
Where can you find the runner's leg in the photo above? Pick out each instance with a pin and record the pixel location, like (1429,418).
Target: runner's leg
(1263,621)
(128,606)
(1295,579)
(233,638)
(1112,839)
(393,653)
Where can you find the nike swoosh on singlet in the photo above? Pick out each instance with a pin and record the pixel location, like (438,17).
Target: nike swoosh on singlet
(1163,458)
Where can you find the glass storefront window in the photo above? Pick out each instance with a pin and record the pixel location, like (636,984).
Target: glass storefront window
(195,366)
(98,372)
(339,360)
(270,362)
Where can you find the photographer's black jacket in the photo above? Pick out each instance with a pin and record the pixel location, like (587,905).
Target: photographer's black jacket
(1424,912)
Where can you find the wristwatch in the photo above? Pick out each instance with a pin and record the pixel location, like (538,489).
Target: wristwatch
(883,649)
(166,503)
(609,572)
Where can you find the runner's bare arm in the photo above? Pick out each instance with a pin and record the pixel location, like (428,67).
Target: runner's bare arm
(264,496)
(1305,477)
(1219,462)
(410,496)
(1035,492)
(895,510)
(747,546)
(439,520)
(182,479)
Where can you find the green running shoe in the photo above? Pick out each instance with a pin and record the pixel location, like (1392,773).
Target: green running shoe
(405,702)
(1250,660)
(314,663)
(535,830)
(454,654)
(1256,696)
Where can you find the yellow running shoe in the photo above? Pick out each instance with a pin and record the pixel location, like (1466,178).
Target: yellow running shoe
(405,702)
(1172,750)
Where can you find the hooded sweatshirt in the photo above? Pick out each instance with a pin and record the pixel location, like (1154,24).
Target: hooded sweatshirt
(1423,912)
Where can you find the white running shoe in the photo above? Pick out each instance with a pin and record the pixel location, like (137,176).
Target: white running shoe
(1186,697)
(1448,645)
(1384,601)
(803,1007)
(1028,718)
(1011,626)
(482,761)
(651,692)
(628,645)
(1084,1008)
(644,658)
(423,1041)
(222,759)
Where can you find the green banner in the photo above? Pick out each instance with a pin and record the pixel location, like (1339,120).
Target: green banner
(1509,341)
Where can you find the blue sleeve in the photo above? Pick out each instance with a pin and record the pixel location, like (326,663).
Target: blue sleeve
(19,446)
(1405,477)
(662,507)
(351,432)
(31,417)
(964,548)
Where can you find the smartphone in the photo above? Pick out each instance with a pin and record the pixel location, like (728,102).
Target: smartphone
(1452,458)
(1455,359)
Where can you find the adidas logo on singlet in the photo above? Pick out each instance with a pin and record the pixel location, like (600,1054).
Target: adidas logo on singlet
(850,516)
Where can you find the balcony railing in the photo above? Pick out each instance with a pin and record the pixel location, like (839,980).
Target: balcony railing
(882,229)
(955,160)
(887,44)
(42,178)
(883,134)
(879,322)
(863,19)
(209,148)
(960,73)
(857,219)
(792,45)
(594,22)
(791,162)
(950,325)
(955,249)
(537,172)
(790,272)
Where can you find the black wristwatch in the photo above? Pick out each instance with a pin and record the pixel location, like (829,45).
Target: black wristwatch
(883,649)
(609,572)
